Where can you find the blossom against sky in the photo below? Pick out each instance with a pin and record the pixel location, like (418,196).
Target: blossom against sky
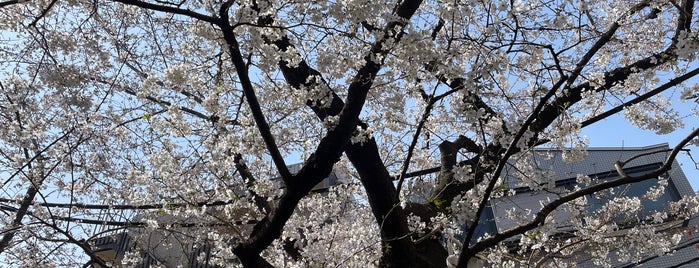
(616,131)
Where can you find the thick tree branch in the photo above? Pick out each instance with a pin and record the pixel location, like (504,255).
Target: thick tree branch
(242,70)
(8,3)
(364,156)
(330,148)
(170,9)
(448,151)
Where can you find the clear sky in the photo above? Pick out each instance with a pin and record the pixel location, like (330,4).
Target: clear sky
(616,131)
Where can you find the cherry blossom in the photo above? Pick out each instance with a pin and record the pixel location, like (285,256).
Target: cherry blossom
(211,124)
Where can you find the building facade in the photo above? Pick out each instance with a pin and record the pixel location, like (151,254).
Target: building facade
(598,166)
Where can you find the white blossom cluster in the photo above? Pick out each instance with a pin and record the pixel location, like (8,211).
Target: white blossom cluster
(178,124)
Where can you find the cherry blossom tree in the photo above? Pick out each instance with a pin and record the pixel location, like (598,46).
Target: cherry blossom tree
(117,113)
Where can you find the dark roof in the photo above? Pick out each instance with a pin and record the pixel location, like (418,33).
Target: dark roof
(600,161)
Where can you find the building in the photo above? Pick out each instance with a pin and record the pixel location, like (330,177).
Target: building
(598,165)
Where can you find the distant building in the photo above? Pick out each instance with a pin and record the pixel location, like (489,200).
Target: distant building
(599,165)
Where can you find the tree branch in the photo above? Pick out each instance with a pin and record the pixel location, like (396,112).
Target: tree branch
(7,3)
(330,148)
(242,70)
(121,207)
(673,82)
(618,75)
(249,179)
(170,9)
(43,13)
(35,185)
(511,149)
(421,124)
